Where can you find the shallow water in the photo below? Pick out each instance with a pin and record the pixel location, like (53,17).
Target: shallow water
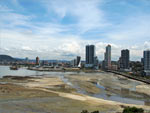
(116,97)
(113,92)
(4,70)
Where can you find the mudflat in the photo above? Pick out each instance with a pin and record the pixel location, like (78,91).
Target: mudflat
(54,95)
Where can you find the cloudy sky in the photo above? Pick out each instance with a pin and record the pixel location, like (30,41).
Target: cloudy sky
(60,29)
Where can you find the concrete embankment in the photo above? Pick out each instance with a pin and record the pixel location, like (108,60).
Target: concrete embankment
(130,76)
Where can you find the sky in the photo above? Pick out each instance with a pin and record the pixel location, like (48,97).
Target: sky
(60,29)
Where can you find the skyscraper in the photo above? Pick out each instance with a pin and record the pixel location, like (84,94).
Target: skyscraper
(87,54)
(37,60)
(125,59)
(146,56)
(108,57)
(78,60)
(90,54)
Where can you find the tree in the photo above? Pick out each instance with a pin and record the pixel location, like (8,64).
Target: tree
(133,110)
(84,111)
(95,112)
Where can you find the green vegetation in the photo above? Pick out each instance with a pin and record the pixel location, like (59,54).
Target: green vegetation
(95,112)
(133,110)
(126,110)
(85,111)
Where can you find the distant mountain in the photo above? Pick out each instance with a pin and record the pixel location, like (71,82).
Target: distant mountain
(10,58)
(19,59)
(6,58)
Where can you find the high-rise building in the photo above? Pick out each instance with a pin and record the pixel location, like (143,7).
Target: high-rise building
(146,59)
(87,54)
(108,57)
(78,60)
(90,55)
(96,63)
(142,60)
(37,60)
(124,59)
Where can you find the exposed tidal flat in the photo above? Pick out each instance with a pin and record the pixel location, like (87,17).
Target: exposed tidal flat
(69,92)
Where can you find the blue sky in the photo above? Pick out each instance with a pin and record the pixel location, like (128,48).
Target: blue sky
(60,29)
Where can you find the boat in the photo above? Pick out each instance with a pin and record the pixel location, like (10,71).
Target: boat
(13,68)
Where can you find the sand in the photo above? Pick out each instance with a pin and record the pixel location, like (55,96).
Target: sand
(52,94)
(44,82)
(143,89)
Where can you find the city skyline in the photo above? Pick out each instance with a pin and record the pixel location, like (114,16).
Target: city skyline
(61,29)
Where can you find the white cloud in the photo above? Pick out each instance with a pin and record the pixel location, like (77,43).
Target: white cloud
(52,40)
(134,29)
(11,20)
(67,47)
(147,45)
(87,13)
(26,48)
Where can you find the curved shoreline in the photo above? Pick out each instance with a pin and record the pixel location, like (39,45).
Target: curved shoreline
(54,84)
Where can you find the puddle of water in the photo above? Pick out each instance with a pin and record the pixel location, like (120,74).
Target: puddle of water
(66,81)
(119,94)
(124,97)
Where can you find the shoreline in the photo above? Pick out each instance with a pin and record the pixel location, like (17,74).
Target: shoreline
(96,71)
(129,76)
(66,88)
(54,85)
(66,70)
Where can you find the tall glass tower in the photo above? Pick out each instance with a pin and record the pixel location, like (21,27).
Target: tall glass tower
(146,56)
(125,59)
(108,57)
(90,54)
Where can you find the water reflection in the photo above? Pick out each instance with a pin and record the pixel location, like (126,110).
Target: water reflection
(125,91)
(114,93)
(123,95)
(4,70)
(147,103)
